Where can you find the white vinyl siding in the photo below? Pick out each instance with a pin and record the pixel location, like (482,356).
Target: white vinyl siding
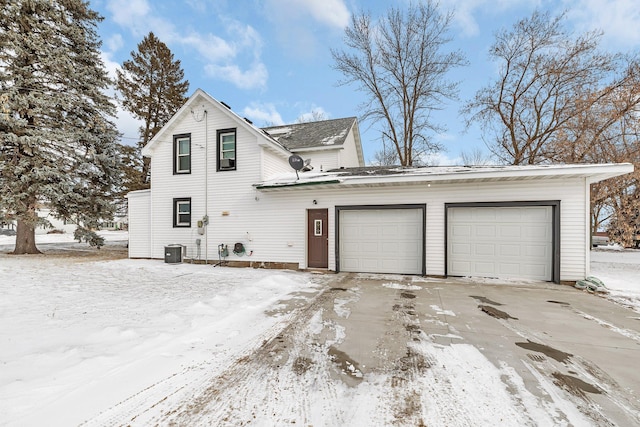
(228,192)
(273,164)
(348,156)
(505,242)
(139,208)
(284,240)
(322,160)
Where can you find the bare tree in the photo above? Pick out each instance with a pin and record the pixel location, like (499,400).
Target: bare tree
(475,157)
(616,202)
(316,115)
(399,62)
(548,80)
(387,156)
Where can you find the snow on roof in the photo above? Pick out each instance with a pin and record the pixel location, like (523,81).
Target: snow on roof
(390,175)
(300,136)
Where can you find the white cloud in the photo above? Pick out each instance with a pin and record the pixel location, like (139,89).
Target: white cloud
(234,57)
(330,12)
(211,47)
(253,77)
(110,65)
(127,125)
(114,43)
(128,12)
(441,159)
(619,19)
(333,13)
(316,113)
(227,55)
(298,23)
(264,113)
(466,11)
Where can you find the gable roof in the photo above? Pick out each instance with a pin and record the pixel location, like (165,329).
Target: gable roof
(195,101)
(398,175)
(322,134)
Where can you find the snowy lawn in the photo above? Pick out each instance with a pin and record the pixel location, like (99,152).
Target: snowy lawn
(78,336)
(620,271)
(118,341)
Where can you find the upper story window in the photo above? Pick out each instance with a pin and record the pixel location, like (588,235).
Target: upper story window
(182,212)
(226,149)
(181,154)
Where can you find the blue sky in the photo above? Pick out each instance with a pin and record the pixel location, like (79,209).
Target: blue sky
(270,60)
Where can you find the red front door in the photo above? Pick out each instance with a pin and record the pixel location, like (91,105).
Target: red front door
(318,238)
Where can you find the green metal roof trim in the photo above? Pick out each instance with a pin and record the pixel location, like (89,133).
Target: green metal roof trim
(297,184)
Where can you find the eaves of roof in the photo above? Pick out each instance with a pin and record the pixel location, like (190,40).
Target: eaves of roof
(263,137)
(375,177)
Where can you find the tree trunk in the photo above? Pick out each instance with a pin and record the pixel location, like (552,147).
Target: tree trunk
(25,239)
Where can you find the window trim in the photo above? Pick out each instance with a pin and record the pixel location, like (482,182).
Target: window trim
(176,156)
(219,134)
(176,212)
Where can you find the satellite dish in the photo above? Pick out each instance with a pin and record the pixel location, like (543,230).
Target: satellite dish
(296,162)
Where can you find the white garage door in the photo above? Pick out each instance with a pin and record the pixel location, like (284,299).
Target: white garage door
(381,241)
(506,242)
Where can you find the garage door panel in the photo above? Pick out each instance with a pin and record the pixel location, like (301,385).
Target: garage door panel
(512,215)
(500,241)
(535,270)
(485,230)
(510,250)
(461,249)
(537,251)
(536,232)
(510,232)
(542,215)
(488,214)
(485,268)
(461,231)
(507,269)
(381,241)
(485,250)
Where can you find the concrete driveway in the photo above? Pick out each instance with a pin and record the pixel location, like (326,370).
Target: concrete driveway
(566,345)
(410,351)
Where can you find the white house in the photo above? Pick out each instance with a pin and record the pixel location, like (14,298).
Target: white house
(218,181)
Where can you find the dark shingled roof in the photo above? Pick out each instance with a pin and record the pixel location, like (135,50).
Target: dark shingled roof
(300,136)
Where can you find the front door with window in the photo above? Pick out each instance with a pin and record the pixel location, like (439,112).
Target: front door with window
(318,238)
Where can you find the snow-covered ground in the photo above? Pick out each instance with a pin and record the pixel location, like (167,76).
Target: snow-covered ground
(92,341)
(619,269)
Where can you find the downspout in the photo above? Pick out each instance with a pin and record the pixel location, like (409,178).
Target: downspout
(587,255)
(206,188)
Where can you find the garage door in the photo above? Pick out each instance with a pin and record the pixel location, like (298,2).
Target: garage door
(381,240)
(506,242)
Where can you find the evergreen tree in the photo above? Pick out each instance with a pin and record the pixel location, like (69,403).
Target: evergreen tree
(152,89)
(58,142)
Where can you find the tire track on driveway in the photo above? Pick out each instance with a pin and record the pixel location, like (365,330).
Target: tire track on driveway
(288,379)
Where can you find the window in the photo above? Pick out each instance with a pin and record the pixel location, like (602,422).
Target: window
(182,212)
(181,154)
(226,149)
